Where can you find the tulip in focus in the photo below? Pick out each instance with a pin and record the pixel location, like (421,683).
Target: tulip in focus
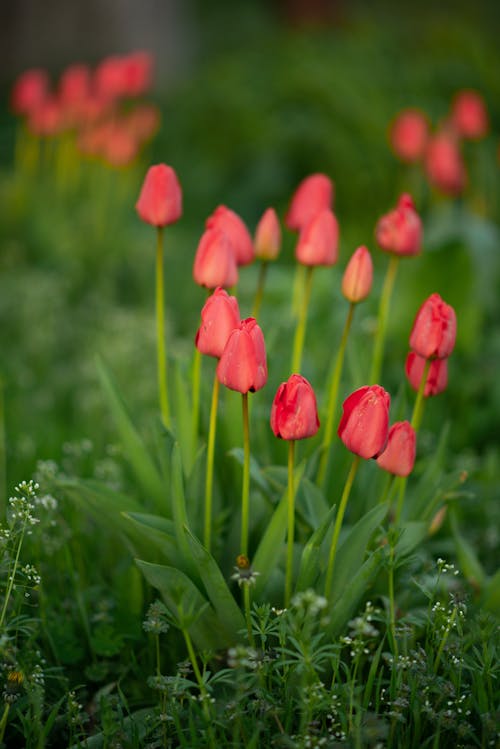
(364,425)
(214,262)
(243,365)
(400,230)
(408,135)
(434,330)
(267,240)
(234,227)
(294,413)
(219,317)
(313,195)
(437,377)
(318,241)
(469,116)
(160,199)
(398,457)
(358,276)
(444,164)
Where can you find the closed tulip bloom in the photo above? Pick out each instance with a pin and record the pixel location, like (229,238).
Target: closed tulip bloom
(243,365)
(231,224)
(400,230)
(214,262)
(75,85)
(48,118)
(469,116)
(219,317)
(294,413)
(267,240)
(160,199)
(29,90)
(408,135)
(319,241)
(137,73)
(364,425)
(313,195)
(398,457)
(437,377)
(434,330)
(358,276)
(444,164)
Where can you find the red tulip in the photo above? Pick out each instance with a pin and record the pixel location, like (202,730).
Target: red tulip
(318,241)
(214,262)
(267,238)
(437,378)
(358,276)
(444,164)
(469,116)
(364,425)
(434,330)
(400,230)
(137,73)
(119,147)
(47,118)
(294,413)
(75,85)
(219,317)
(312,196)
(160,200)
(29,90)
(143,121)
(399,455)
(243,365)
(234,227)
(408,135)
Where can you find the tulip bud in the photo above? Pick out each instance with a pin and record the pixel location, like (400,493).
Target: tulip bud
(160,199)
(29,91)
(219,317)
(434,330)
(364,425)
(243,365)
(294,413)
(137,73)
(75,85)
(358,276)
(444,164)
(437,378)
(400,230)
(234,227)
(47,118)
(408,135)
(267,239)
(312,196)
(214,262)
(469,116)
(399,455)
(318,241)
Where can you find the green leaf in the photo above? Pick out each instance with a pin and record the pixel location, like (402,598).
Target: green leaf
(180,514)
(311,503)
(466,556)
(195,492)
(412,534)
(157,531)
(310,563)
(490,599)
(183,415)
(256,474)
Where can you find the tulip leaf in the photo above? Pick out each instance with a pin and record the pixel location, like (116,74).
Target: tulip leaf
(183,416)
(180,514)
(412,534)
(466,556)
(256,473)
(195,492)
(491,594)
(157,531)
(310,563)
(311,501)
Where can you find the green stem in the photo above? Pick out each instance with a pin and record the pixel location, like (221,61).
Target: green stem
(260,288)
(248,618)
(209,476)
(300,331)
(196,380)
(160,331)
(199,679)
(245,492)
(392,606)
(3,722)
(12,576)
(383,316)
(444,639)
(332,400)
(338,523)
(3,457)
(291,521)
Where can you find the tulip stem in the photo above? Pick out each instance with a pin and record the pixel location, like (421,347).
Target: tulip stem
(383,315)
(160,331)
(291,521)
(245,493)
(332,400)
(300,330)
(338,523)
(195,416)
(260,288)
(209,476)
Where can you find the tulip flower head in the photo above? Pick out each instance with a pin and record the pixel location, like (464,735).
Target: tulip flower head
(364,425)
(29,91)
(312,196)
(160,199)
(294,413)
(219,317)
(408,135)
(234,227)
(243,365)
(444,164)
(469,116)
(437,377)
(400,230)
(214,262)
(434,330)
(358,276)
(318,241)
(267,240)
(398,457)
